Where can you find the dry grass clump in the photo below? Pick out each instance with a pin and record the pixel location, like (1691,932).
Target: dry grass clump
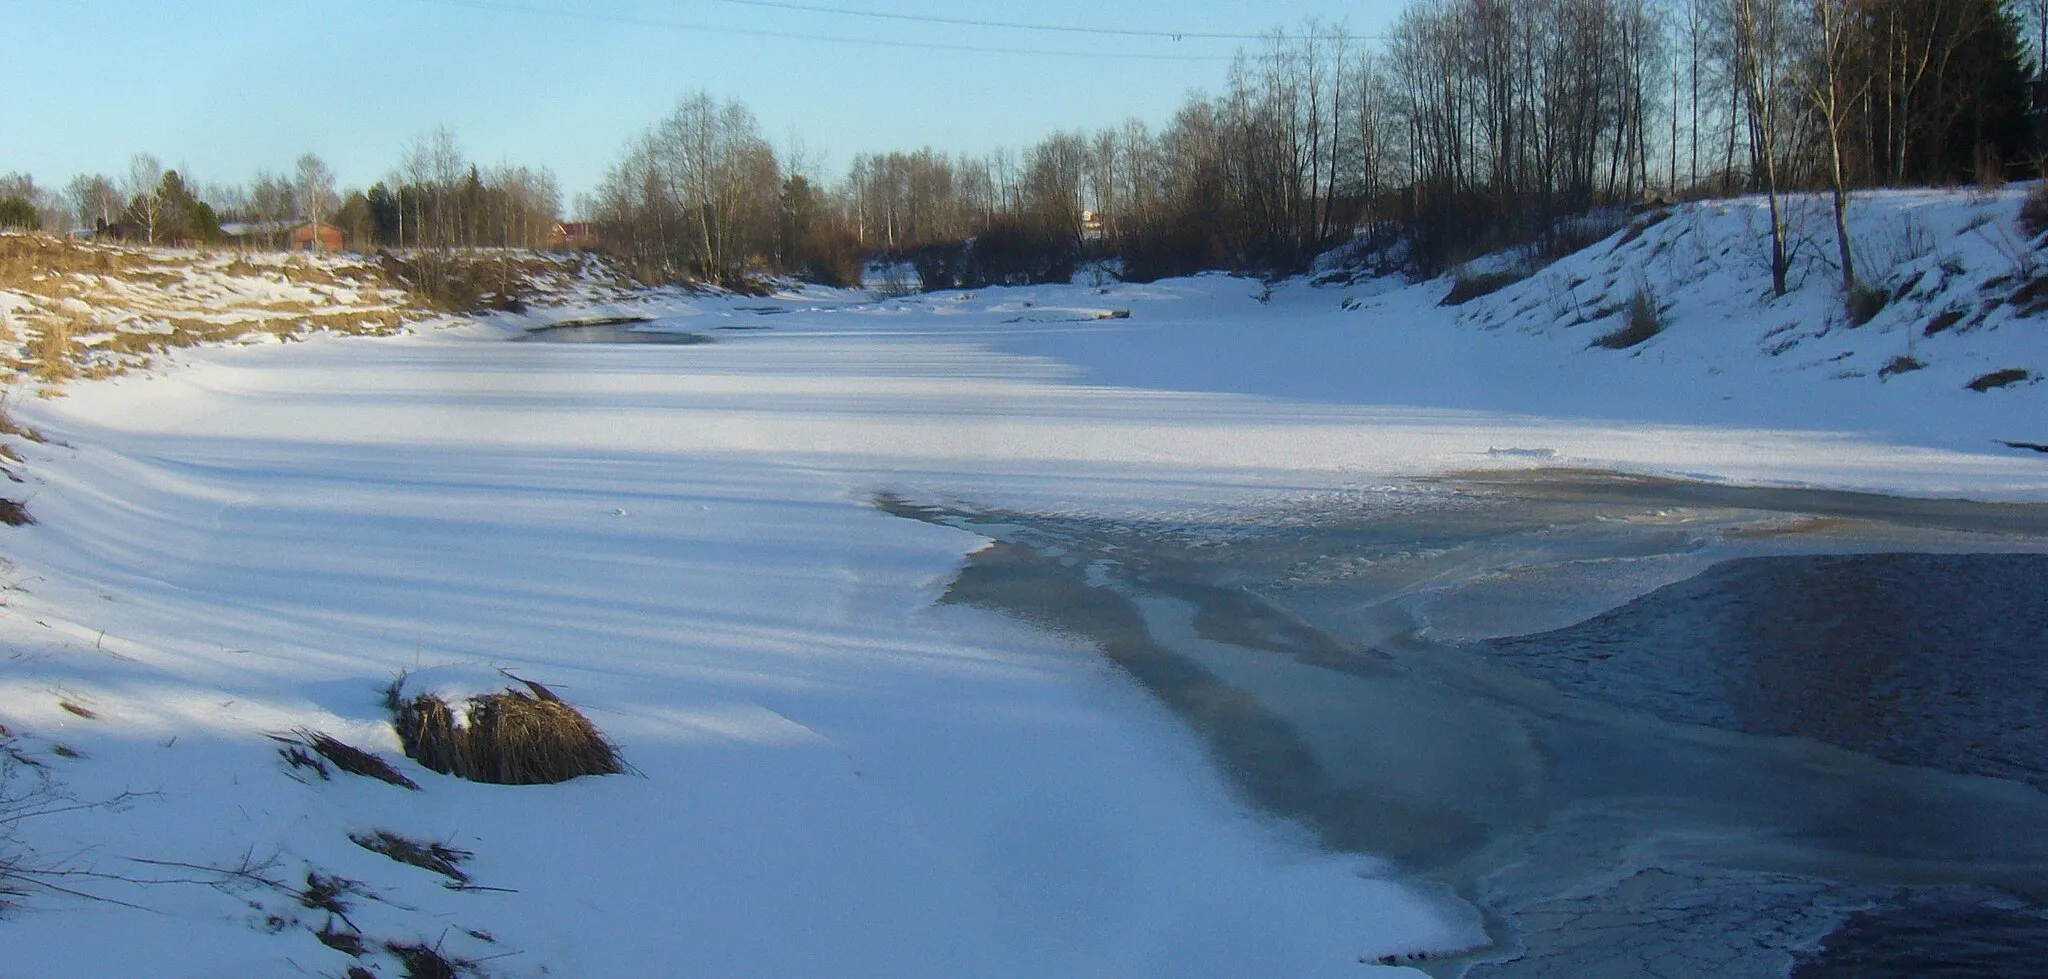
(1999,379)
(1902,364)
(1944,320)
(325,892)
(441,859)
(8,426)
(423,961)
(346,757)
(13,513)
(1864,301)
(1467,287)
(1643,323)
(345,942)
(512,737)
(49,350)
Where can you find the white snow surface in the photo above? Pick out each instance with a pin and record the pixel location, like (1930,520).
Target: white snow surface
(835,775)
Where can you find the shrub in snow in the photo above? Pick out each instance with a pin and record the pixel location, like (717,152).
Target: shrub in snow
(506,737)
(1863,302)
(1642,324)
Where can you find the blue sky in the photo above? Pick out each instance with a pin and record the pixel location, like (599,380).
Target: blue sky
(222,88)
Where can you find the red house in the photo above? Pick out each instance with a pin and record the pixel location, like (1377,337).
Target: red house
(573,234)
(316,236)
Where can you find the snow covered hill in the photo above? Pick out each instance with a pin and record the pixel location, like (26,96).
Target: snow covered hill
(1954,307)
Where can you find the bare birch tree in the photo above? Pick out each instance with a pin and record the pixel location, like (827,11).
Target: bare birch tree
(1833,93)
(1761,36)
(145,173)
(314,182)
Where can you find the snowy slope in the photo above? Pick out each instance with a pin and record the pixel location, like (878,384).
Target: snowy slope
(95,308)
(1953,269)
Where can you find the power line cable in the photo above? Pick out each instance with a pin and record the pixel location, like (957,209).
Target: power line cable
(1015,25)
(637,21)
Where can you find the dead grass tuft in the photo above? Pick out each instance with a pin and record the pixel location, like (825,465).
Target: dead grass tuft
(512,737)
(8,426)
(1999,379)
(423,961)
(2031,297)
(1465,288)
(1944,320)
(1902,364)
(1643,323)
(298,757)
(345,942)
(346,757)
(1863,302)
(324,892)
(439,858)
(49,349)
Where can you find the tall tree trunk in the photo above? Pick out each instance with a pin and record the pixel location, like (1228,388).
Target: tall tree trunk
(1841,196)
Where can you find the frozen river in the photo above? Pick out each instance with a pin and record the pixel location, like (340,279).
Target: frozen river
(1532,721)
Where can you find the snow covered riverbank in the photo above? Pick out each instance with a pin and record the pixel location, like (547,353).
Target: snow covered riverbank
(836,775)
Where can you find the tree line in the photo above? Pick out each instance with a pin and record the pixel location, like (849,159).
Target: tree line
(1472,125)
(435,198)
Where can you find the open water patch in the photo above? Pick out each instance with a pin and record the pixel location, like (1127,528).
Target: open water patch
(1645,727)
(620,329)
(1938,660)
